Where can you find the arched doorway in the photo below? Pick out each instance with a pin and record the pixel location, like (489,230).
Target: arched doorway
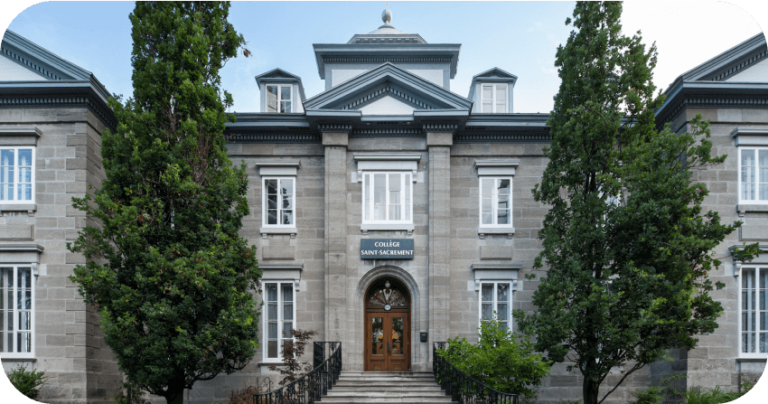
(387,326)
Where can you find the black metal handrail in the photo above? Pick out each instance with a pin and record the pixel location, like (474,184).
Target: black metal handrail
(464,388)
(312,386)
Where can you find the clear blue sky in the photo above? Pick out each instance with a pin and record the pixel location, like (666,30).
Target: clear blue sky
(519,37)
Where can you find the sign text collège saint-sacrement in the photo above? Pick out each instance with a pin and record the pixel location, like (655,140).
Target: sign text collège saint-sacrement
(393,249)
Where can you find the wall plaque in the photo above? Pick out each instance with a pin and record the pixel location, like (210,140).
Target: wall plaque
(386,249)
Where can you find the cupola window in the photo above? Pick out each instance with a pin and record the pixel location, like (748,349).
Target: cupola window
(279,98)
(494,98)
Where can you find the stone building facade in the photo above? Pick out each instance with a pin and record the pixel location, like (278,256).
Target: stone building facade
(389,212)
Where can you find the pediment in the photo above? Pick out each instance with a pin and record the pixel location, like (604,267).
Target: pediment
(388,90)
(23,60)
(742,63)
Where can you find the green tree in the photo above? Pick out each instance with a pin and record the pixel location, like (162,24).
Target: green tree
(625,242)
(166,268)
(502,360)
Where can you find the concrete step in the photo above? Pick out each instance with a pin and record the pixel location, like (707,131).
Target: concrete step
(373,377)
(384,394)
(384,400)
(386,387)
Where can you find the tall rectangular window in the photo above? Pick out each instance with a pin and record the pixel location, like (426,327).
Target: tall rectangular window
(17,174)
(279,98)
(754,312)
(278,202)
(16,311)
(494,98)
(496,302)
(279,320)
(753,175)
(387,197)
(495,202)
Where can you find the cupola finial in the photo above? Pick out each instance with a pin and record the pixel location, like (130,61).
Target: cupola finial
(386,16)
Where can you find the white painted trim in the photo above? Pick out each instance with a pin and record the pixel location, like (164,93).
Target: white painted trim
(264,205)
(32,330)
(494,87)
(494,205)
(405,208)
(512,285)
(756,201)
(16,175)
(741,354)
(279,97)
(387,162)
(265,317)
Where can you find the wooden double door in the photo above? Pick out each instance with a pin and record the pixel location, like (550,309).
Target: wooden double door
(387,336)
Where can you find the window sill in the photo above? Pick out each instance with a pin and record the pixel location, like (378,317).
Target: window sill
(18,207)
(278,230)
(365,227)
(763,359)
(279,364)
(16,357)
(483,231)
(751,207)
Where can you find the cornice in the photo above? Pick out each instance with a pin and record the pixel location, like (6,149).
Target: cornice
(334,127)
(440,127)
(737,68)
(57,94)
(712,95)
(383,91)
(502,137)
(254,137)
(36,67)
(387,132)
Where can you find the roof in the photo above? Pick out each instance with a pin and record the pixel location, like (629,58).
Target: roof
(707,85)
(58,82)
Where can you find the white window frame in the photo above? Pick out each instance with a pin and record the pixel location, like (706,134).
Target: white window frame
(279,98)
(15,311)
(495,302)
(265,316)
(756,184)
(756,310)
(494,87)
(494,203)
(265,203)
(404,182)
(17,172)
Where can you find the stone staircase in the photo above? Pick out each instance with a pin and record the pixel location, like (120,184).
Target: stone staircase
(386,387)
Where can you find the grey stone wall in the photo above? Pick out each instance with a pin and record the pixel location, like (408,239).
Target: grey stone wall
(715,360)
(68,344)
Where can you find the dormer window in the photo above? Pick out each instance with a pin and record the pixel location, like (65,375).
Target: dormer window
(279,98)
(494,98)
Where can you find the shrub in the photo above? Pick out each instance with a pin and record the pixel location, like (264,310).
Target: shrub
(502,360)
(27,382)
(244,396)
(292,351)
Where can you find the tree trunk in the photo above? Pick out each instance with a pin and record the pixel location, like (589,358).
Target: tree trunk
(175,393)
(590,391)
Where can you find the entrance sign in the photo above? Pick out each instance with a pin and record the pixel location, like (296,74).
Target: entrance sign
(386,248)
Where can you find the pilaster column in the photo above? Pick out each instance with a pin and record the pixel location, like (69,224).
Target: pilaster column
(335,141)
(439,142)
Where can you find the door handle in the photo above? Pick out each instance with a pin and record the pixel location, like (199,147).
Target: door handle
(389,349)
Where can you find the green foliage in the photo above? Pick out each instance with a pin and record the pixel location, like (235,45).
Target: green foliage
(166,268)
(626,244)
(129,394)
(27,382)
(502,360)
(698,395)
(651,395)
